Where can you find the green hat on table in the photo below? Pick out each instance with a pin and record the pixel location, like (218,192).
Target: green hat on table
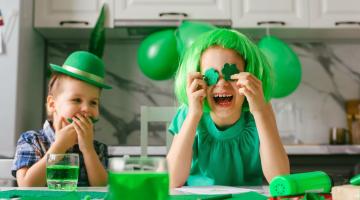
(84,66)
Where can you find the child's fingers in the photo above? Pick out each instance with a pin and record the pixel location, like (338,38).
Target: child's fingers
(235,76)
(248,76)
(78,129)
(84,119)
(249,85)
(79,124)
(200,94)
(196,85)
(246,92)
(191,76)
(88,119)
(250,82)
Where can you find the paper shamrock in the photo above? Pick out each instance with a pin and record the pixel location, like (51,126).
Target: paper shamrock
(93,120)
(211,76)
(228,70)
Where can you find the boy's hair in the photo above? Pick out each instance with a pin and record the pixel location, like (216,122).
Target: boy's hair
(255,61)
(54,87)
(54,83)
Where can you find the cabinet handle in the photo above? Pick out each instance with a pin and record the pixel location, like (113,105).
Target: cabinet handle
(172,14)
(271,22)
(347,23)
(62,23)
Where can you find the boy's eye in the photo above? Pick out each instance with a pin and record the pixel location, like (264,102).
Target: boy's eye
(76,100)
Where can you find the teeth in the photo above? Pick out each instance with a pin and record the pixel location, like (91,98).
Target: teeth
(222,95)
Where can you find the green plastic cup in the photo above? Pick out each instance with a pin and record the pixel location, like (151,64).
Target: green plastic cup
(138,178)
(301,183)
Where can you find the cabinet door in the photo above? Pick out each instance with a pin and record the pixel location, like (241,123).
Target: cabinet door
(334,13)
(273,13)
(70,13)
(130,10)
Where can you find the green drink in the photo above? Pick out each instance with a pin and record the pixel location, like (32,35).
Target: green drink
(138,178)
(62,171)
(62,177)
(138,185)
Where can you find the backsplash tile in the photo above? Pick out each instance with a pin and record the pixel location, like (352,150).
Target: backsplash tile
(331,75)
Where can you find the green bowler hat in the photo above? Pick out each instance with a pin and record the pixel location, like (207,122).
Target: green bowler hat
(84,66)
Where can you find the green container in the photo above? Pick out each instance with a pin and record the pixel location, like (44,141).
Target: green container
(138,185)
(301,183)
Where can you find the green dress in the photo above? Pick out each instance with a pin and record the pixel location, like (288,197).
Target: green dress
(223,157)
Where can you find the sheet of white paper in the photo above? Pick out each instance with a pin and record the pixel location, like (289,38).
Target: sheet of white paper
(213,190)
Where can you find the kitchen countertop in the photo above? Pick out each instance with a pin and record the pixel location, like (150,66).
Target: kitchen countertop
(322,149)
(290,149)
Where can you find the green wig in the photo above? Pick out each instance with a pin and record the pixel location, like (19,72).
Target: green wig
(255,61)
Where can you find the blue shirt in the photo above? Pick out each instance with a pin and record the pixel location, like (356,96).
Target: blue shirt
(32,146)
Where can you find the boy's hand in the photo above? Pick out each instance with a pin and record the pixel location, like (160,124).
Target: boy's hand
(196,93)
(85,132)
(65,133)
(251,87)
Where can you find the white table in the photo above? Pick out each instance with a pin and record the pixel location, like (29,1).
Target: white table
(260,189)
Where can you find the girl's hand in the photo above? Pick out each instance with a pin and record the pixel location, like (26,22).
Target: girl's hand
(196,93)
(251,87)
(65,133)
(85,132)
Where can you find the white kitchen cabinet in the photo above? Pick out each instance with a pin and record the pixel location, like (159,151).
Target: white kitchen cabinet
(334,13)
(70,13)
(135,11)
(273,13)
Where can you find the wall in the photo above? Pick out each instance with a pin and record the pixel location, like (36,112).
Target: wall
(331,75)
(9,63)
(22,77)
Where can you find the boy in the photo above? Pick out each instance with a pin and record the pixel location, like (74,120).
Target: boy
(72,105)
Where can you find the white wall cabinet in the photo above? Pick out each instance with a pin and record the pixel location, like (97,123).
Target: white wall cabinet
(334,13)
(128,11)
(70,13)
(273,13)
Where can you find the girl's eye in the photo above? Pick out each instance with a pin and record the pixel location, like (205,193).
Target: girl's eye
(94,103)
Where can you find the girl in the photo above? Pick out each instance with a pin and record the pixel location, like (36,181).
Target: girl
(224,130)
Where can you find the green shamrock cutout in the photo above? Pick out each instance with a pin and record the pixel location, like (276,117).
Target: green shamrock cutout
(93,120)
(211,76)
(228,70)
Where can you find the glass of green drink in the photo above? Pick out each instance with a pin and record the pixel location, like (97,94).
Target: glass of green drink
(62,171)
(138,178)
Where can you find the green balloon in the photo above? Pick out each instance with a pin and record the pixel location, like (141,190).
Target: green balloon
(157,55)
(286,65)
(187,33)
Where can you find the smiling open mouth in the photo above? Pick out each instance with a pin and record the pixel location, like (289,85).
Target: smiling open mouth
(223,99)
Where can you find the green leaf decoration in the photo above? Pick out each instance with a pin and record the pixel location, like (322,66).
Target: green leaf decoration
(228,70)
(93,120)
(97,37)
(211,76)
